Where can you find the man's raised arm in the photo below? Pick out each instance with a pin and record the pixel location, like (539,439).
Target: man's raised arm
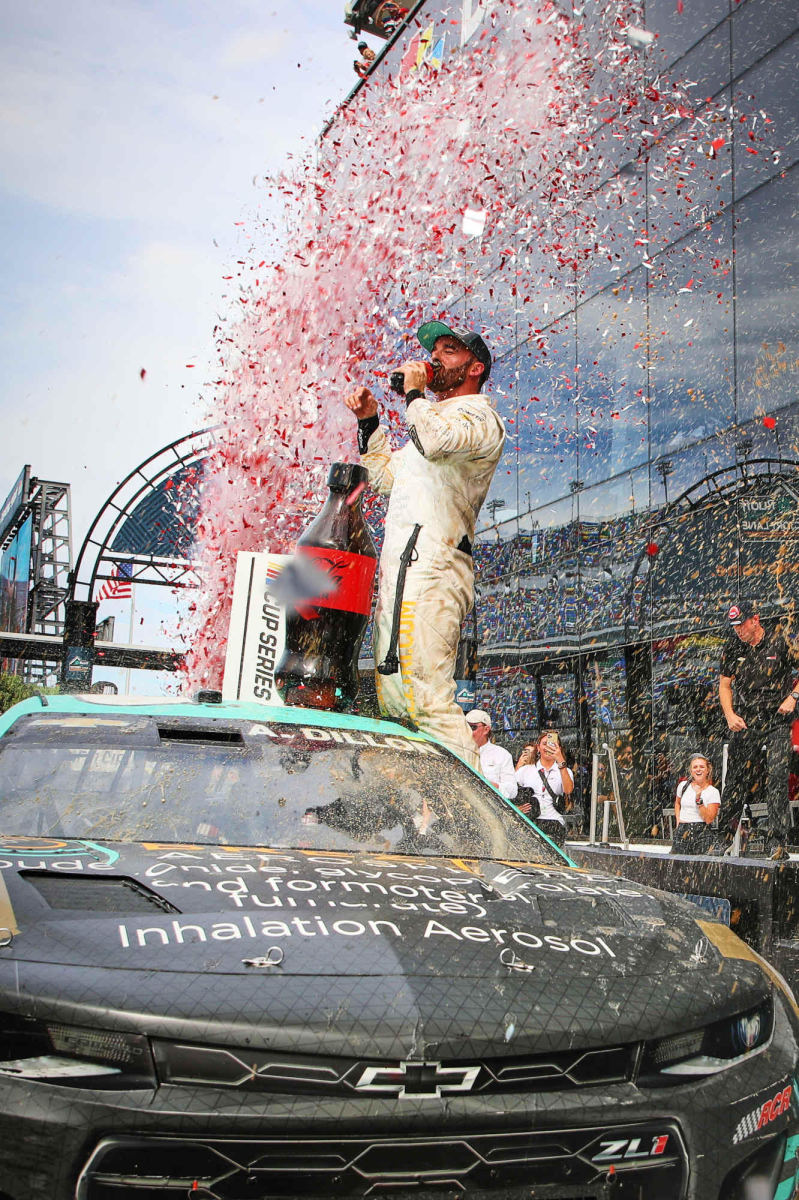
(373,443)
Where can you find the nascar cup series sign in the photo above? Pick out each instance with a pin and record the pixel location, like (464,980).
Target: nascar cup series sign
(257,633)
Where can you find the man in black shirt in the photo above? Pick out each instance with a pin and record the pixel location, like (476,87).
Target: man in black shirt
(766,692)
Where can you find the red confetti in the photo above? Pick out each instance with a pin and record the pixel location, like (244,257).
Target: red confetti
(311,321)
(770,422)
(652,549)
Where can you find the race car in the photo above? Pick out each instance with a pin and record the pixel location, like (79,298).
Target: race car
(251,952)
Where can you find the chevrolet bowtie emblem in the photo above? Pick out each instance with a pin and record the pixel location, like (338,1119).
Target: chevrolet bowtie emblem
(417,1080)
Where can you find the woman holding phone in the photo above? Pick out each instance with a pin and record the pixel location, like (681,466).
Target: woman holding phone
(542,767)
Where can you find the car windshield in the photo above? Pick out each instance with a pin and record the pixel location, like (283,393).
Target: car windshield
(119,777)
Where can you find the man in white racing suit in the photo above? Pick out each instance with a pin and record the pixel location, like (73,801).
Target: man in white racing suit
(437,482)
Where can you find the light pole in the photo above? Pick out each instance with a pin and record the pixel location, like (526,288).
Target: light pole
(492,507)
(665,468)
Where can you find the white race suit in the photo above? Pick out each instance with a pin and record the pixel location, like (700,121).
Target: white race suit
(438,480)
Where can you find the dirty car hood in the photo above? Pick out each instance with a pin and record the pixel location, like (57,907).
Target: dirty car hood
(354,953)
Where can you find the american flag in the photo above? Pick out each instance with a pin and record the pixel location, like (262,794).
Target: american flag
(120,585)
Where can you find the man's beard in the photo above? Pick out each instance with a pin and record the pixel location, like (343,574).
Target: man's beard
(446,379)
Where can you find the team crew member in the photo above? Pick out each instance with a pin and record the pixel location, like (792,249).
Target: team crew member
(696,807)
(437,482)
(495,762)
(759,665)
(542,767)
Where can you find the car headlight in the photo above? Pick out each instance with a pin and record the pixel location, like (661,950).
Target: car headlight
(72,1055)
(708,1050)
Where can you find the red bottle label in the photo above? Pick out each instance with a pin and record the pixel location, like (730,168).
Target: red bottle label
(353,575)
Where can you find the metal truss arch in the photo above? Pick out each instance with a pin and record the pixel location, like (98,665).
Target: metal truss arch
(148,521)
(727,485)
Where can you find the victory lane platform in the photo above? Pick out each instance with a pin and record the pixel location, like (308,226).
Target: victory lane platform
(762,896)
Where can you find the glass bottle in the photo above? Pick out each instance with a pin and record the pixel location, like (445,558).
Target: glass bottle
(319,666)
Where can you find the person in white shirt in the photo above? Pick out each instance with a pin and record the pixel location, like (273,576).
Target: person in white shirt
(495,763)
(696,807)
(542,767)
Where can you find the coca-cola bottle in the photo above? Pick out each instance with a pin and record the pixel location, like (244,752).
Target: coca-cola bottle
(319,667)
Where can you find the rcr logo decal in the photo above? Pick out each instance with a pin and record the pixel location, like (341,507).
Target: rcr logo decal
(614,1150)
(760,1117)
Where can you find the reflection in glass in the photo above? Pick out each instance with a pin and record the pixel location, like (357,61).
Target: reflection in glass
(768,537)
(613,529)
(501,501)
(612,399)
(547,425)
(676,36)
(613,221)
(492,310)
(767,267)
(691,348)
(690,178)
(691,573)
(757,26)
(767,131)
(649,478)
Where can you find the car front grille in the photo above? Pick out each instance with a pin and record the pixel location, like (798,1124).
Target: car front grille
(191,1064)
(646,1160)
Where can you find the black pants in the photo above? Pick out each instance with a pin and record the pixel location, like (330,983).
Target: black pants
(758,766)
(555,831)
(693,837)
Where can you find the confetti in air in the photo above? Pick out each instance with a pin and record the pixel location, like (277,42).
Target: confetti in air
(457,177)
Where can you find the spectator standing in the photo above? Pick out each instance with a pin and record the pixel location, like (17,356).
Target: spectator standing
(363,66)
(696,807)
(759,665)
(495,762)
(542,768)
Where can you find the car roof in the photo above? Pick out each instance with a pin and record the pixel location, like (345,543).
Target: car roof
(227,710)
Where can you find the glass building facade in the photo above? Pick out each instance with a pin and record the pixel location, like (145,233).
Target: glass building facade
(651,472)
